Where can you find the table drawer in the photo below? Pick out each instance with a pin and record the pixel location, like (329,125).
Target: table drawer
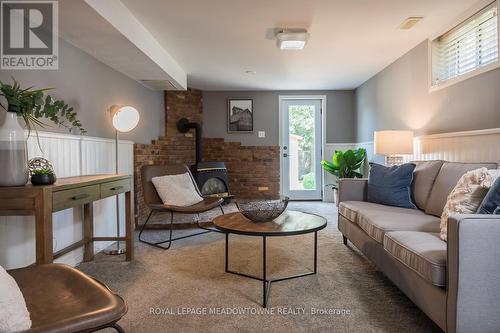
(74,197)
(116,187)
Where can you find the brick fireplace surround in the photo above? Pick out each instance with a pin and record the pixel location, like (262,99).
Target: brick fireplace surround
(249,167)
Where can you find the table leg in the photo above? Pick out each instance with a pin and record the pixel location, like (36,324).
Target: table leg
(88,231)
(226,261)
(315,252)
(264,279)
(129,230)
(43,230)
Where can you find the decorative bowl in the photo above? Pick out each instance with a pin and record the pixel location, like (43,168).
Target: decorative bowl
(262,210)
(43,179)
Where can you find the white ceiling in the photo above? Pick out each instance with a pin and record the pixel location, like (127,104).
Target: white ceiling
(216,41)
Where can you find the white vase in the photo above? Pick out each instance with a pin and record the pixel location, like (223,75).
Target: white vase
(13,153)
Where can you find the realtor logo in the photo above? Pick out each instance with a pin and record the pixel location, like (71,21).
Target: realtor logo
(29,36)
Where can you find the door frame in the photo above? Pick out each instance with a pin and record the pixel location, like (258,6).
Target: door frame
(282,98)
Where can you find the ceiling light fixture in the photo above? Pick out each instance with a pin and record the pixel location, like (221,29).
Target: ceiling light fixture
(250,72)
(292,39)
(409,22)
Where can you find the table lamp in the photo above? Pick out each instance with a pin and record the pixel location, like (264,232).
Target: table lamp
(393,144)
(124,119)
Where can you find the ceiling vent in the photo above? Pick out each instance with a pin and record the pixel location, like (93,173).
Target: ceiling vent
(159,84)
(409,22)
(289,39)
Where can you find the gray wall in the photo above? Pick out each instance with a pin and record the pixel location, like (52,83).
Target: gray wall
(91,88)
(340,111)
(398,98)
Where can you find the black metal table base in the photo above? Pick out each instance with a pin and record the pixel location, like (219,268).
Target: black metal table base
(266,282)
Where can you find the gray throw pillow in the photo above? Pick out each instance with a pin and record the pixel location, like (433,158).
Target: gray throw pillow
(491,202)
(391,185)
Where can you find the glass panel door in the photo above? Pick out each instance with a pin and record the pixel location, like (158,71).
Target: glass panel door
(301,148)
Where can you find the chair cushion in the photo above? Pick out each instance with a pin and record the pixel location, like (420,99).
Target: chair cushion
(63,299)
(391,185)
(424,177)
(446,180)
(377,219)
(424,253)
(177,190)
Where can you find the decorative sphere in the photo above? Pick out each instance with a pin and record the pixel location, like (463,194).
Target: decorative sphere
(39,163)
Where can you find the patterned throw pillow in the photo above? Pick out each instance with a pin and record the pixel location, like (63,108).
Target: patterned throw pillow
(467,195)
(177,190)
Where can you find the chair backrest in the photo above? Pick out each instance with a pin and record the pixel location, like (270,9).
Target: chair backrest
(149,171)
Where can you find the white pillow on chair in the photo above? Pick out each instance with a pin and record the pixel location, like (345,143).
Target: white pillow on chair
(177,190)
(14,315)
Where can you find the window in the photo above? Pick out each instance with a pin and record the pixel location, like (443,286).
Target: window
(468,49)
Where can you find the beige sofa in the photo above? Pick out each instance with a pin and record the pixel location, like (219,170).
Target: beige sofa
(456,283)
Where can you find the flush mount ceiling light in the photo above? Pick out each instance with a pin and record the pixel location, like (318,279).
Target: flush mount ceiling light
(292,39)
(250,72)
(409,22)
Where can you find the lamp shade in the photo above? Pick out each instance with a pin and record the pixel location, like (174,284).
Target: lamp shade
(393,142)
(125,118)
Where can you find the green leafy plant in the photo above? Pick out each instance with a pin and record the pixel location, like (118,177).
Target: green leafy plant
(309,181)
(43,171)
(33,104)
(346,164)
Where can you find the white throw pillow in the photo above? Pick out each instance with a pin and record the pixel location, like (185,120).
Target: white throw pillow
(467,195)
(14,315)
(177,190)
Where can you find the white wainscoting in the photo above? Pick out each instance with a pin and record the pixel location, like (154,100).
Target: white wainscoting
(71,155)
(468,146)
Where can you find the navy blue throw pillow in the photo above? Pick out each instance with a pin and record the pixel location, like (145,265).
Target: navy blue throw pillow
(391,185)
(491,202)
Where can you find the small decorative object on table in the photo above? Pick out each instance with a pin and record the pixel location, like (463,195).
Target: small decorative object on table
(41,171)
(262,210)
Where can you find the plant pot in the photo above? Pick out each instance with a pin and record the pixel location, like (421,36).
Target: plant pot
(13,152)
(43,179)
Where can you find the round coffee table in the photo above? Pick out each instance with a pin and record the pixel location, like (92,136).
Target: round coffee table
(290,223)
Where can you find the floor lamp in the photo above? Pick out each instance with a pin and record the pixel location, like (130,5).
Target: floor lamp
(124,119)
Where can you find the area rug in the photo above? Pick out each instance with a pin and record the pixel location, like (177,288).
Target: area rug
(185,289)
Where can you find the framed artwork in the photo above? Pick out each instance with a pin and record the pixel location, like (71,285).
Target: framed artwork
(240,115)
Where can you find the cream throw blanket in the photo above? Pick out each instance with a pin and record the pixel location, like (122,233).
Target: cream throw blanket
(14,316)
(467,195)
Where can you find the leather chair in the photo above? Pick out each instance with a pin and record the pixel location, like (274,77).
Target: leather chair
(61,299)
(155,204)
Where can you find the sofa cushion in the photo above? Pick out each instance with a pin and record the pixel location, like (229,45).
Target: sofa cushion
(377,219)
(424,177)
(446,180)
(391,185)
(424,253)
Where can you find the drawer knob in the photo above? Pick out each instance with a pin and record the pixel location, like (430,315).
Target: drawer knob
(80,196)
(116,188)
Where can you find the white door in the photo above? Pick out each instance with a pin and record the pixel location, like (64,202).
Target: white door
(301,148)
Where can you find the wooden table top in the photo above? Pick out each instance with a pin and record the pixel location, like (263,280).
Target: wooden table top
(71,182)
(287,224)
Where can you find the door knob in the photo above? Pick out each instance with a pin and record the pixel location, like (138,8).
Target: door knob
(285,155)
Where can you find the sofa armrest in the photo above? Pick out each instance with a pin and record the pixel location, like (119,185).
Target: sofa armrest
(352,189)
(473,273)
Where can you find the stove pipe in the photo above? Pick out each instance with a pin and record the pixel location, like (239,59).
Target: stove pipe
(183,126)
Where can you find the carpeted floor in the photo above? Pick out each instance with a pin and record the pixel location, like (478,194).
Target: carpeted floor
(165,289)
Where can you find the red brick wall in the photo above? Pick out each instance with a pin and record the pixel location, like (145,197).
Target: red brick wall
(249,167)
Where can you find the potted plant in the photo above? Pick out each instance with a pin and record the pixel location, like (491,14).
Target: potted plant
(44,176)
(28,105)
(345,164)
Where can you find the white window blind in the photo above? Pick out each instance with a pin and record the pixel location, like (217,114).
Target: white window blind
(471,45)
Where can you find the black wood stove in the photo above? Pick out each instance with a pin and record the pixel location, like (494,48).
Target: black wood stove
(211,177)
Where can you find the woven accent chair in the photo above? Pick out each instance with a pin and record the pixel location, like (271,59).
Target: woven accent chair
(155,204)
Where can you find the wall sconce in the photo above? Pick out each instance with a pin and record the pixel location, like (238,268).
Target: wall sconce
(393,144)
(124,119)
